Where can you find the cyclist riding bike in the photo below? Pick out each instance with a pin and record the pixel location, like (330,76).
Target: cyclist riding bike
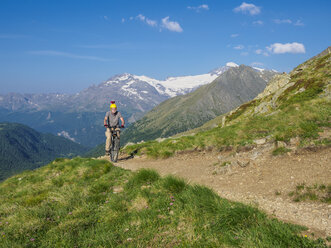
(111,122)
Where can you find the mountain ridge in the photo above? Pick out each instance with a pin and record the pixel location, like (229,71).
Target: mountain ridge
(232,88)
(79,116)
(292,111)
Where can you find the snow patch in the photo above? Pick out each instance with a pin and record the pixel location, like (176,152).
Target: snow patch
(232,64)
(174,86)
(66,135)
(259,69)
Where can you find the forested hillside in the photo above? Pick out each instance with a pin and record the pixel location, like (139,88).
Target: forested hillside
(23,148)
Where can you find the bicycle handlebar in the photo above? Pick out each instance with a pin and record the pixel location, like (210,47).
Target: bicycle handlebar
(113,127)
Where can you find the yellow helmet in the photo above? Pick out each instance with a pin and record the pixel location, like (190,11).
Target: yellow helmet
(113,105)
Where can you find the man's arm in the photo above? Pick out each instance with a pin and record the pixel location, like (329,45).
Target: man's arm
(105,122)
(122,120)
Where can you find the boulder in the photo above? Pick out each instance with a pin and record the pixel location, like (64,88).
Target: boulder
(260,141)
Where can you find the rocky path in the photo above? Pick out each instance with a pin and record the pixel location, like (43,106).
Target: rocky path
(256,177)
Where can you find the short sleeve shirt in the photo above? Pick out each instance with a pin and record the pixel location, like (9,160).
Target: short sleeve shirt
(113,119)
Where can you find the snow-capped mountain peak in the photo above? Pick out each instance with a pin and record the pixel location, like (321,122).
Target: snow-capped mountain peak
(232,64)
(143,91)
(170,87)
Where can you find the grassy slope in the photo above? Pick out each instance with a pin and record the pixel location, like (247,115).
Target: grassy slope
(300,111)
(90,203)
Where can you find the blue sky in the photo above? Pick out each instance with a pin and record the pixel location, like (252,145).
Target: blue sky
(68,45)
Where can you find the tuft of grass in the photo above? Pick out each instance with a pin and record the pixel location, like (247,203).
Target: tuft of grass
(316,192)
(277,192)
(280,151)
(225,163)
(174,184)
(143,176)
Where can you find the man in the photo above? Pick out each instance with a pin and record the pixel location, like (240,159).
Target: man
(112,121)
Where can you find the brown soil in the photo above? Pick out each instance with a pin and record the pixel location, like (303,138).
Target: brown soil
(254,177)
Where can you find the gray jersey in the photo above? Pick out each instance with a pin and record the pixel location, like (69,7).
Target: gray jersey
(113,119)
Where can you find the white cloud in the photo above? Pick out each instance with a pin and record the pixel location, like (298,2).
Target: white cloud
(248,8)
(64,54)
(123,20)
(288,21)
(171,25)
(165,23)
(298,23)
(144,19)
(279,48)
(282,21)
(244,53)
(258,51)
(151,23)
(234,35)
(106,18)
(238,47)
(258,22)
(261,52)
(198,8)
(141,17)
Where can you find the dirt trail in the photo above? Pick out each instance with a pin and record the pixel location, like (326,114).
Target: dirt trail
(254,177)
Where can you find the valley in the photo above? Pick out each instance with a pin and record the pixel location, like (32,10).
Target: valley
(23,148)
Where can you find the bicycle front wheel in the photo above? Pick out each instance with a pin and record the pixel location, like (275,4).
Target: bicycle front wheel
(116,149)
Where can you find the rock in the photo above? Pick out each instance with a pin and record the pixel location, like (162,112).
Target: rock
(160,139)
(245,148)
(223,121)
(255,155)
(280,144)
(300,90)
(225,169)
(117,189)
(243,163)
(260,141)
(295,141)
(129,144)
(209,148)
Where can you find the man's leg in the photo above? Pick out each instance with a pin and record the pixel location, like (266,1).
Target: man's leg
(108,141)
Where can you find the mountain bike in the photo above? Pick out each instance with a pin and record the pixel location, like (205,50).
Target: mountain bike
(115,143)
